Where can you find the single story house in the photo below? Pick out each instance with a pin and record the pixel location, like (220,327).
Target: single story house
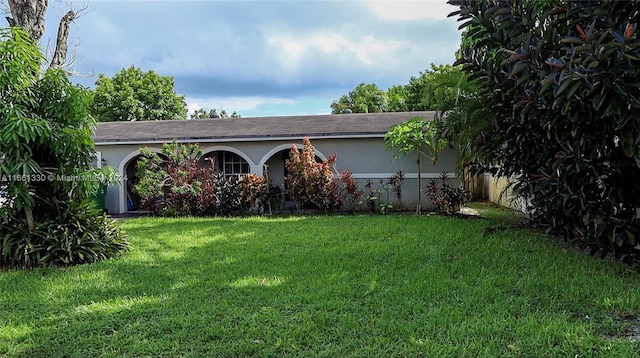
(246,145)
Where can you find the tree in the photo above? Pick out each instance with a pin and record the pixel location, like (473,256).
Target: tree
(419,136)
(342,105)
(200,113)
(438,88)
(365,98)
(134,95)
(46,167)
(562,85)
(224,114)
(30,15)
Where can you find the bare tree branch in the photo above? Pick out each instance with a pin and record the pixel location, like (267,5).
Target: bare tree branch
(30,15)
(60,53)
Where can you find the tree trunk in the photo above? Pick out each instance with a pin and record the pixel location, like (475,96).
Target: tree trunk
(419,203)
(28,14)
(29,214)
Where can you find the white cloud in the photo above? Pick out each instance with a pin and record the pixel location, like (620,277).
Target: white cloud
(230,104)
(269,54)
(411,10)
(292,49)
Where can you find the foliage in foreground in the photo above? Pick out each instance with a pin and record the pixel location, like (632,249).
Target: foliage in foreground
(557,110)
(46,173)
(80,234)
(340,286)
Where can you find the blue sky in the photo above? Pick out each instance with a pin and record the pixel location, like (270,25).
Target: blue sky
(261,58)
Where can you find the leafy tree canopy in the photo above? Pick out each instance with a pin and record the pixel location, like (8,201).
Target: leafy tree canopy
(438,88)
(398,96)
(365,98)
(135,95)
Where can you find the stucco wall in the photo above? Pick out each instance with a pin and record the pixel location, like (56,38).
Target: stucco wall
(497,190)
(366,158)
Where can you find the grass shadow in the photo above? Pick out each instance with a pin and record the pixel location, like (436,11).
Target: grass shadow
(354,285)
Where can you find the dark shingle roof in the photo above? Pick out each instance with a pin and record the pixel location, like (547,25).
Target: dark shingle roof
(262,128)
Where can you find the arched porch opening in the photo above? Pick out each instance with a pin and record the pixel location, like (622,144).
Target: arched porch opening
(273,165)
(129,201)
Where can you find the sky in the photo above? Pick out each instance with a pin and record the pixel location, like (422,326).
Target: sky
(260,58)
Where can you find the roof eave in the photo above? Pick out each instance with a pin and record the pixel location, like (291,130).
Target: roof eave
(237,139)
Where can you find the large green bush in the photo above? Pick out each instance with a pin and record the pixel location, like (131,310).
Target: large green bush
(46,172)
(558,109)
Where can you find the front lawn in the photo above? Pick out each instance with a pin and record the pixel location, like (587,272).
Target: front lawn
(329,286)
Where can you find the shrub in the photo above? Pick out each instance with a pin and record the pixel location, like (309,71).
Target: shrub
(311,183)
(150,175)
(395,181)
(80,234)
(374,197)
(173,186)
(46,133)
(255,192)
(445,197)
(227,196)
(179,186)
(350,191)
(561,83)
(330,196)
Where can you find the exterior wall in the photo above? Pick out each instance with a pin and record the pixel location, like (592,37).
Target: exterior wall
(369,161)
(495,189)
(366,158)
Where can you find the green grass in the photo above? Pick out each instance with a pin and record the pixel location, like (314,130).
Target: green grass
(334,286)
